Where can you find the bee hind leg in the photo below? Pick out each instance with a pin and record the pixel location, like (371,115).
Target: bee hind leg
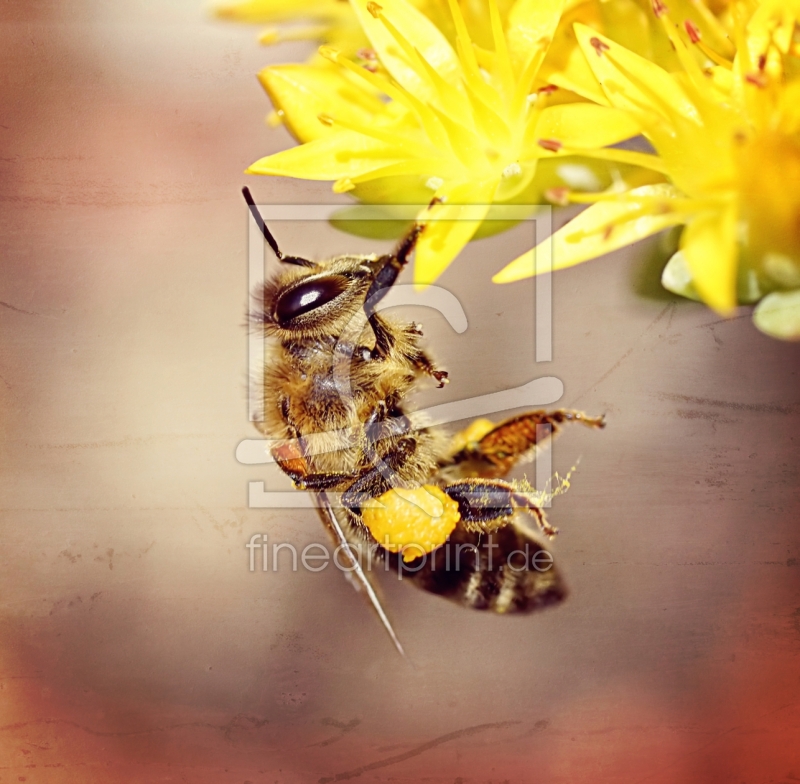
(489,504)
(492,450)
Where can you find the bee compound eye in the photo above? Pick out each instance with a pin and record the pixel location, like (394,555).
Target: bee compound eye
(308,296)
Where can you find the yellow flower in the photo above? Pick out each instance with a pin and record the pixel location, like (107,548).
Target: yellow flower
(632,24)
(728,137)
(463,128)
(333,22)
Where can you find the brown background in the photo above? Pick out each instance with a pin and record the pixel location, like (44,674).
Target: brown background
(135,644)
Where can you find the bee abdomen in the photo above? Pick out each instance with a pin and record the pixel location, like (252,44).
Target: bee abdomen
(503,572)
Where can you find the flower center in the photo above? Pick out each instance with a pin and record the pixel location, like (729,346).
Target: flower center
(769,172)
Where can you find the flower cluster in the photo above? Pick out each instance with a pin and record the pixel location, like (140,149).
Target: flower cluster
(457,128)
(727,134)
(510,103)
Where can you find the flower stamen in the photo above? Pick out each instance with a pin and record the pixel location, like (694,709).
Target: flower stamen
(713,56)
(693,31)
(552,145)
(598,45)
(559,195)
(659,8)
(757,80)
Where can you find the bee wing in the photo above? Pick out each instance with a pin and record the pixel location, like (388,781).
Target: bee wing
(341,530)
(505,571)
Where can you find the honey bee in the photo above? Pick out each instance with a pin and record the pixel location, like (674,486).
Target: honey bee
(335,385)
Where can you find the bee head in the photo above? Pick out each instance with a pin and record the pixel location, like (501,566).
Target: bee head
(309,299)
(320,300)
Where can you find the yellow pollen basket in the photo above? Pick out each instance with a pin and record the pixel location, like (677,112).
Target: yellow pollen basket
(411,522)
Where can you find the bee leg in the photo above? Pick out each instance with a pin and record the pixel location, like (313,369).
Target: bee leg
(420,360)
(388,268)
(489,504)
(407,244)
(314,482)
(370,483)
(423,363)
(386,419)
(381,477)
(385,341)
(497,451)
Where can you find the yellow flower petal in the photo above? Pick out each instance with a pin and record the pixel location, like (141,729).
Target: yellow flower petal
(566,66)
(632,83)
(576,76)
(600,229)
(531,27)
(580,125)
(629,24)
(772,22)
(709,247)
(503,67)
(450,226)
(303,92)
(465,145)
(279,10)
(415,27)
(343,154)
(489,124)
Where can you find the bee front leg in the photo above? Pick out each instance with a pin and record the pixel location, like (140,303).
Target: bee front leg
(486,505)
(384,337)
(404,344)
(390,266)
(423,363)
(387,269)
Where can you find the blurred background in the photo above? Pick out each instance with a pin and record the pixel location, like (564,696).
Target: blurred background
(135,644)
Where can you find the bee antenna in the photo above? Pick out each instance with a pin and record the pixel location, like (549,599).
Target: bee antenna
(260,222)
